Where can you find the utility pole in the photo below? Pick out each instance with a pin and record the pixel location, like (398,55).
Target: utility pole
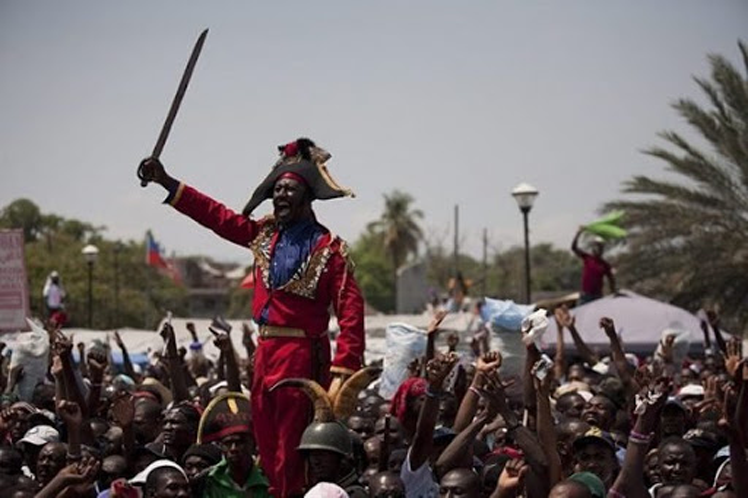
(484,280)
(457,241)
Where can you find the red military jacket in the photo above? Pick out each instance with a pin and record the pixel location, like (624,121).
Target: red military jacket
(325,279)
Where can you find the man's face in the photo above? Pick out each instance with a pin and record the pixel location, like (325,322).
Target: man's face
(171,485)
(598,248)
(572,406)
(396,431)
(323,465)
(177,430)
(672,421)
(112,468)
(652,468)
(289,200)
(599,412)
(372,447)
(460,482)
(599,459)
(363,426)
(51,460)
(146,422)
(677,464)
(386,485)
(193,465)
(238,449)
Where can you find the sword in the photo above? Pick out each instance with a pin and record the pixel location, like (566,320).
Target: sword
(181,90)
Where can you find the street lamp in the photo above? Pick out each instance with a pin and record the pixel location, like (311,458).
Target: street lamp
(525,195)
(90,253)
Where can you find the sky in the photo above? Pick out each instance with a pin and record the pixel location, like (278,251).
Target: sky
(451,102)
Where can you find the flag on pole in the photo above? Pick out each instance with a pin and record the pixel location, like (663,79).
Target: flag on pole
(153,257)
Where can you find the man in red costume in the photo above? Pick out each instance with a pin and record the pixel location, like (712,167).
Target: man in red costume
(300,271)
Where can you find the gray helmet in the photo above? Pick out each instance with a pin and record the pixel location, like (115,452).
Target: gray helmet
(329,436)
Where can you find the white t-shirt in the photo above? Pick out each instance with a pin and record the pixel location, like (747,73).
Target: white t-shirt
(54,296)
(419,483)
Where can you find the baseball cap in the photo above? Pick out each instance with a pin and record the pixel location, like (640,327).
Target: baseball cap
(595,435)
(591,482)
(41,435)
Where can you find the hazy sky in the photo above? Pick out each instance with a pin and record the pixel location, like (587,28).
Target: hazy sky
(452,102)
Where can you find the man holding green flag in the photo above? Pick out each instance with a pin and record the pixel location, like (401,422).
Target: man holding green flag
(594,269)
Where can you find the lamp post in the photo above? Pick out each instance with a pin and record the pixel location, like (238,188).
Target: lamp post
(525,195)
(90,253)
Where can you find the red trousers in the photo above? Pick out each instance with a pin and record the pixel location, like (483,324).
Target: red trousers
(280,417)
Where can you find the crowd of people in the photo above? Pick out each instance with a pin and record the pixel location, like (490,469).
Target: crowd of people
(297,414)
(584,426)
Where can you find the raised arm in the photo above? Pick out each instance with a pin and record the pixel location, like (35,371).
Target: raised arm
(568,321)
(459,452)
(432,332)
(211,214)
(544,424)
(126,362)
(559,359)
(233,377)
(623,367)
(575,244)
(174,361)
(423,441)
(469,405)
(630,480)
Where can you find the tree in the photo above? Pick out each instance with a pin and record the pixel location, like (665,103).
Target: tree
(399,229)
(23,214)
(688,234)
(373,270)
(55,243)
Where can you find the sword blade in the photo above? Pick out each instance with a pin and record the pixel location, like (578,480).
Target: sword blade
(179,96)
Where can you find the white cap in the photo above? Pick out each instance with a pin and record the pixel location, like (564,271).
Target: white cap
(691,390)
(142,476)
(326,490)
(41,435)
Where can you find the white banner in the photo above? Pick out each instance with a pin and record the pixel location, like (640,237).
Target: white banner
(14,291)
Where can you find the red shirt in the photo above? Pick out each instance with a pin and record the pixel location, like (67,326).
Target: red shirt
(593,273)
(304,302)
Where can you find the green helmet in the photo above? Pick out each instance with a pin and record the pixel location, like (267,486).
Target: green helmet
(328,436)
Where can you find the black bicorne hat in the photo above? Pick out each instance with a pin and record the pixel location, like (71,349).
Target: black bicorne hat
(304,159)
(226,414)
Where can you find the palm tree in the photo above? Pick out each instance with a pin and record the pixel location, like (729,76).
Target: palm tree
(399,228)
(688,234)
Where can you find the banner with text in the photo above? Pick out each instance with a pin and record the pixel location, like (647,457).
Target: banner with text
(14,291)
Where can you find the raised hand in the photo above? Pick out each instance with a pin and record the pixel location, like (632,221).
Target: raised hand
(61,344)
(436,321)
(222,340)
(123,410)
(438,368)
(118,340)
(490,362)
(151,170)
(733,356)
(563,317)
(97,362)
(513,475)
(608,326)
(70,413)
